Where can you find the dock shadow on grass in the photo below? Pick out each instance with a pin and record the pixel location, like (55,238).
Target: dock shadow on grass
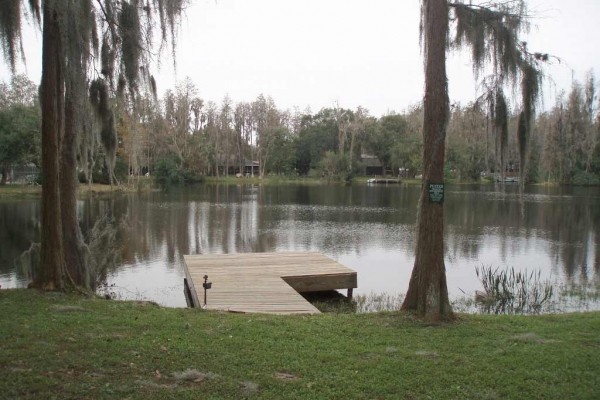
(331,301)
(335,302)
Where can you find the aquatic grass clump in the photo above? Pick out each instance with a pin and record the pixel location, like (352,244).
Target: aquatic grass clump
(510,291)
(377,302)
(583,296)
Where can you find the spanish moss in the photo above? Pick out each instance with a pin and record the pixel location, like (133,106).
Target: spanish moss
(492,32)
(531,91)
(10,31)
(11,15)
(131,42)
(107,59)
(492,35)
(169,12)
(523,137)
(501,127)
(99,98)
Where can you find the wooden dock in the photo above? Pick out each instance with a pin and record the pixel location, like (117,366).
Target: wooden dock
(264,282)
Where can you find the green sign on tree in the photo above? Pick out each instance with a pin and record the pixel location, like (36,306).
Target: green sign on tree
(436,192)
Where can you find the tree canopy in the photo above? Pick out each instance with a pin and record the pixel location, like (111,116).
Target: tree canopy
(19,125)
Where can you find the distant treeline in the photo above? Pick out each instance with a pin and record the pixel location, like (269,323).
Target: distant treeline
(183,138)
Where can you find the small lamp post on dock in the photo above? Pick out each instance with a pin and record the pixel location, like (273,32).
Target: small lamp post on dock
(206,285)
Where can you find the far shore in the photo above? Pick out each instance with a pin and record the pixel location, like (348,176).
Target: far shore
(148,184)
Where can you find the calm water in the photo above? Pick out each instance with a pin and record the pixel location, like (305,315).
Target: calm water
(368,228)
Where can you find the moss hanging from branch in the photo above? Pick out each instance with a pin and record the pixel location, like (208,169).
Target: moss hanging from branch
(501,127)
(107,59)
(492,31)
(531,83)
(80,37)
(522,136)
(10,29)
(88,144)
(130,31)
(36,11)
(492,35)
(10,23)
(169,11)
(153,88)
(99,98)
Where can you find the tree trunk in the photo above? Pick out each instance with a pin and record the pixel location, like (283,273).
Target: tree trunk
(341,138)
(487,146)
(239,149)
(352,141)
(263,163)
(427,291)
(51,269)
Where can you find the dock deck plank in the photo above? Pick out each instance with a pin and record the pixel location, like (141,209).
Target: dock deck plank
(264,282)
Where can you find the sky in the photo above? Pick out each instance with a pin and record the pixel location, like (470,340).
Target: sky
(323,53)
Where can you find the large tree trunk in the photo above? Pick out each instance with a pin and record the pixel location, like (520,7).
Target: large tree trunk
(427,291)
(51,270)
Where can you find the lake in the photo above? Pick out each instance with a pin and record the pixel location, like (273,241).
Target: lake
(369,228)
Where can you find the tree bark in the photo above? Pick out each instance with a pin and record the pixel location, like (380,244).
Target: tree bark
(51,270)
(427,292)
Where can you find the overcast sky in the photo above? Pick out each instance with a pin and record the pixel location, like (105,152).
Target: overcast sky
(319,53)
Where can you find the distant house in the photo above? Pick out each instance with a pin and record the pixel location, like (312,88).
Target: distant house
(512,171)
(24,174)
(372,165)
(251,167)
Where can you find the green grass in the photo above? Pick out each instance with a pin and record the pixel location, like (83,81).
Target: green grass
(63,346)
(267,180)
(19,190)
(138,184)
(304,180)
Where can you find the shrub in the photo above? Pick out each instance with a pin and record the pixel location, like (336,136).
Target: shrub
(167,172)
(583,178)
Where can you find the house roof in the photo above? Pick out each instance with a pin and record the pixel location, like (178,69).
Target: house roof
(370,161)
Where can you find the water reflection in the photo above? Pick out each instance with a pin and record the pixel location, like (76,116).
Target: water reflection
(368,228)
(19,227)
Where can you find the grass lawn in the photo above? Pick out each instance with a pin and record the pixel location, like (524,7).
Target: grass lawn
(12,191)
(20,190)
(64,346)
(147,184)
